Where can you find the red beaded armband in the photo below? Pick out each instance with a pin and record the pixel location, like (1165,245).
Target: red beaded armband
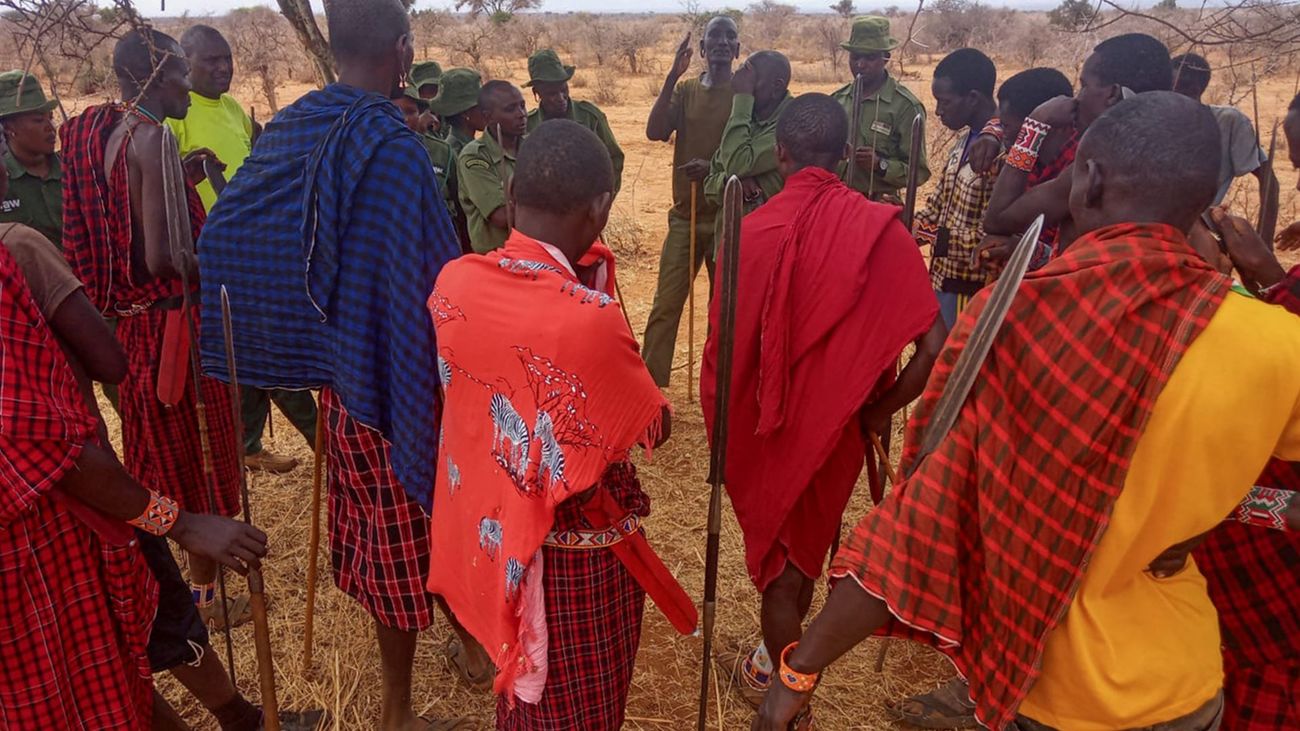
(1024,154)
(1265,507)
(993,128)
(159,516)
(793,679)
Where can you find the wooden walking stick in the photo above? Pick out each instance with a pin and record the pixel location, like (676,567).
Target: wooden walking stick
(690,300)
(256,590)
(967,367)
(313,551)
(180,240)
(730,254)
(1268,206)
(855,121)
(913,170)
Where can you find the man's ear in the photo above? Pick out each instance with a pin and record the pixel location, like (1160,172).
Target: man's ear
(1095,184)
(1114,95)
(598,210)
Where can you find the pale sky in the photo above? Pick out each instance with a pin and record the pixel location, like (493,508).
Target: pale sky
(199,8)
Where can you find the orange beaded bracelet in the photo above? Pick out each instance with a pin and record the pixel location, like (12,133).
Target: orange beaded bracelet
(159,516)
(793,679)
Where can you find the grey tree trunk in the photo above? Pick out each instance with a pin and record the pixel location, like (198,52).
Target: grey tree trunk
(299,15)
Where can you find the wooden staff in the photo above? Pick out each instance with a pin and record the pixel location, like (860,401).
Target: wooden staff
(1268,206)
(731,212)
(913,170)
(314,551)
(690,300)
(855,122)
(256,588)
(504,172)
(884,459)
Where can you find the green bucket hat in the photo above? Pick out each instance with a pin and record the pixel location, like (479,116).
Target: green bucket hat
(20,92)
(545,66)
(457,92)
(413,92)
(870,34)
(425,72)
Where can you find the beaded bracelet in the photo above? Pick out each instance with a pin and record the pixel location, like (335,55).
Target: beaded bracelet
(1024,154)
(159,516)
(793,679)
(1264,507)
(994,128)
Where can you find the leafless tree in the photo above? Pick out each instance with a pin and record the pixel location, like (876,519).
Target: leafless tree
(256,37)
(303,22)
(766,20)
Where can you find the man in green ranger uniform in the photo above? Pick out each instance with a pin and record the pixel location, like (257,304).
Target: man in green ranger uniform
(416,111)
(748,148)
(549,79)
(485,165)
(457,106)
(883,140)
(35,172)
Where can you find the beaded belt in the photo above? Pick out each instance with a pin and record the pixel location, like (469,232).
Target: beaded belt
(581,538)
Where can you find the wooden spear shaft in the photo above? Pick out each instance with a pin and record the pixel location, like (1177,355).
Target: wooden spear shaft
(314,551)
(690,299)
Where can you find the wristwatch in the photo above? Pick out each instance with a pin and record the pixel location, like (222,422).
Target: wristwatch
(882,163)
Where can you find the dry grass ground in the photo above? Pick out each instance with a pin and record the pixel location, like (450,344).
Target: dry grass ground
(345,677)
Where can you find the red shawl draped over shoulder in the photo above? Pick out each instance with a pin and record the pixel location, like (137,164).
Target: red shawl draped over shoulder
(831,288)
(544,389)
(981,550)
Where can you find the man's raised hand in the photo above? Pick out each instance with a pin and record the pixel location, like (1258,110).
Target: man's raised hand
(682,59)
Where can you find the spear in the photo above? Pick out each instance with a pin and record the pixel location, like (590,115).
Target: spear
(731,212)
(314,550)
(256,590)
(690,300)
(855,121)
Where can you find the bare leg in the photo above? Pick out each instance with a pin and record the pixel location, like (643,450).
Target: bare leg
(165,718)
(785,604)
(396,654)
(203,570)
(476,658)
(208,681)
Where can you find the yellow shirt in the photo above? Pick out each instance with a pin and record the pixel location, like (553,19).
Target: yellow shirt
(220,125)
(1134,650)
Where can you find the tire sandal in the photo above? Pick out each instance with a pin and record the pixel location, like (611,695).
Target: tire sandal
(448,724)
(731,665)
(947,707)
(237,607)
(456,655)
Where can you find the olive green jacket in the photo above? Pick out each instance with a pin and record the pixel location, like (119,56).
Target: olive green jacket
(589,115)
(886,125)
(481,190)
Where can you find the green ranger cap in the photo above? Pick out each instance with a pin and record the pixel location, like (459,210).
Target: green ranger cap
(870,34)
(457,92)
(545,66)
(425,72)
(20,92)
(413,92)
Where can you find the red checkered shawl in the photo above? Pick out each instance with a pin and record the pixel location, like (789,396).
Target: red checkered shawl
(84,605)
(980,552)
(97,214)
(544,390)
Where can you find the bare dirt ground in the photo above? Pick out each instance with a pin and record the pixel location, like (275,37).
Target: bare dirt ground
(344,679)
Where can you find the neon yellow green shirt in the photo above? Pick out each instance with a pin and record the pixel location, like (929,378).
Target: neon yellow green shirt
(220,125)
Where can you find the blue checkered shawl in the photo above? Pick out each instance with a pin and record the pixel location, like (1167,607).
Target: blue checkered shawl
(329,240)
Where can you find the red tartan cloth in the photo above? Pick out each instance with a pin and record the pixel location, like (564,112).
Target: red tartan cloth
(1253,575)
(593,619)
(1044,441)
(160,444)
(379,537)
(831,289)
(1044,172)
(74,612)
(97,214)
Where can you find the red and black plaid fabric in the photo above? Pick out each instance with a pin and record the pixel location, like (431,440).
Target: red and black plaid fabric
(1261,698)
(593,623)
(1287,294)
(379,537)
(981,551)
(161,445)
(74,612)
(97,214)
(1043,172)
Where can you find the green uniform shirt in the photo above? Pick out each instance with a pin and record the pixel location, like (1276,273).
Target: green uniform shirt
(699,115)
(457,139)
(478,173)
(36,202)
(444,166)
(747,150)
(886,125)
(221,125)
(589,115)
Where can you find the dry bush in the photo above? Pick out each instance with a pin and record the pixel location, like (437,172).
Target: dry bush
(431,29)
(828,33)
(604,90)
(471,41)
(953,24)
(256,37)
(623,234)
(525,35)
(66,41)
(766,22)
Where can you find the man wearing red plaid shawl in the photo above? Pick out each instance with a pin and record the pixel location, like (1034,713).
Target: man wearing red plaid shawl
(122,225)
(1019,547)
(76,598)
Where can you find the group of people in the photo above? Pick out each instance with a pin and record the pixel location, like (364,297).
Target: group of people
(1103,539)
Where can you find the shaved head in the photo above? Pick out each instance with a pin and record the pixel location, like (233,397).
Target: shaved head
(771,64)
(812,131)
(562,167)
(365,30)
(140,53)
(198,36)
(1146,158)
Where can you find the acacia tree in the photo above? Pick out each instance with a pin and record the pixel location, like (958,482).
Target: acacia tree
(844,9)
(256,37)
(498,11)
(303,22)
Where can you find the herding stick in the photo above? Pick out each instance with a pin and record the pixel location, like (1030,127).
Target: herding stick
(313,551)
(690,301)
(913,170)
(855,121)
(256,590)
(731,212)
